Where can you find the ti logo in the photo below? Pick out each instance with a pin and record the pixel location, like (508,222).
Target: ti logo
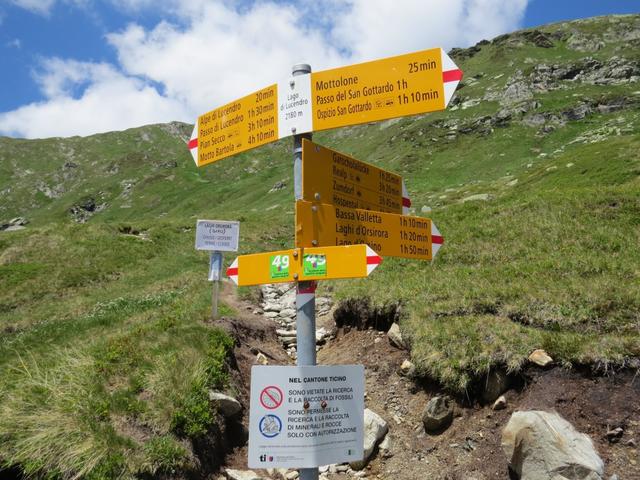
(264,458)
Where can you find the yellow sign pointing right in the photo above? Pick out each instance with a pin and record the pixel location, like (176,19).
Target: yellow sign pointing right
(388,234)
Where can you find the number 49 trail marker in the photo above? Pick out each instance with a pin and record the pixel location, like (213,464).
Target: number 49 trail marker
(325,263)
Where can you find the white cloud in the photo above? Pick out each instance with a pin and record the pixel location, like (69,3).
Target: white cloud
(222,54)
(40,7)
(112,101)
(44,7)
(375,28)
(15,43)
(213,51)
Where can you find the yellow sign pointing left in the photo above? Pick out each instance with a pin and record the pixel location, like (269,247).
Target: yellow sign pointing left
(324,263)
(238,126)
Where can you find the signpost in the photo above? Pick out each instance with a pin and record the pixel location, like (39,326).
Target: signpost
(392,87)
(387,233)
(325,263)
(216,236)
(332,177)
(306,416)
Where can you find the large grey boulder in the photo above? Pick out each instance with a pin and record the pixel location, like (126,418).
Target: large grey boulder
(375,429)
(544,446)
(438,414)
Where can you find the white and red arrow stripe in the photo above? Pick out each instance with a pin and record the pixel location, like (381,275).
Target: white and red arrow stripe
(451,76)
(436,240)
(193,143)
(373,260)
(232,271)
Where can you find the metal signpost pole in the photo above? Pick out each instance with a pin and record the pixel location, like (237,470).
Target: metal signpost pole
(306,291)
(215,273)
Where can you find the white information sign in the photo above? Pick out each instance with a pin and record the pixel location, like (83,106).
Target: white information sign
(306,416)
(217,235)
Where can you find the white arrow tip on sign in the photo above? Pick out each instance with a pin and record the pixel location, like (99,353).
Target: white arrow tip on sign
(193,143)
(373,260)
(436,240)
(451,76)
(232,271)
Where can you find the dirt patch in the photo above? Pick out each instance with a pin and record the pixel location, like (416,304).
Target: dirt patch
(470,448)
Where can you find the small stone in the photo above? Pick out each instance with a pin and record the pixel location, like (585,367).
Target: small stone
(631,443)
(496,384)
(614,434)
(292,475)
(385,447)
(321,333)
(271,307)
(407,368)
(425,209)
(477,197)
(242,475)
(500,403)
(540,358)
(438,414)
(395,337)
(262,359)
(227,406)
(270,314)
(286,333)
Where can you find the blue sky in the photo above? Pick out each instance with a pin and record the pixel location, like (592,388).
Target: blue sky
(76,67)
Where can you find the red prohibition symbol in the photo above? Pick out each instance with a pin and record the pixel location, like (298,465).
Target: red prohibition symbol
(271,397)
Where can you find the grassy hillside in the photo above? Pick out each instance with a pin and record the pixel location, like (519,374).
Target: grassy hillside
(532,176)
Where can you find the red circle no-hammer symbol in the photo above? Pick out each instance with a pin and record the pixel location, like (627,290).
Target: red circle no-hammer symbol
(271,397)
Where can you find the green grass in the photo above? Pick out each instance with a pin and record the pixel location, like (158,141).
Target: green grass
(107,351)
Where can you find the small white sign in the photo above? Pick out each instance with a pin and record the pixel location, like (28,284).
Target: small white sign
(294,106)
(217,235)
(306,416)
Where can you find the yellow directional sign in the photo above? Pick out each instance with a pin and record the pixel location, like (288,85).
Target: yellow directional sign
(247,123)
(392,87)
(324,263)
(388,88)
(333,177)
(388,234)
